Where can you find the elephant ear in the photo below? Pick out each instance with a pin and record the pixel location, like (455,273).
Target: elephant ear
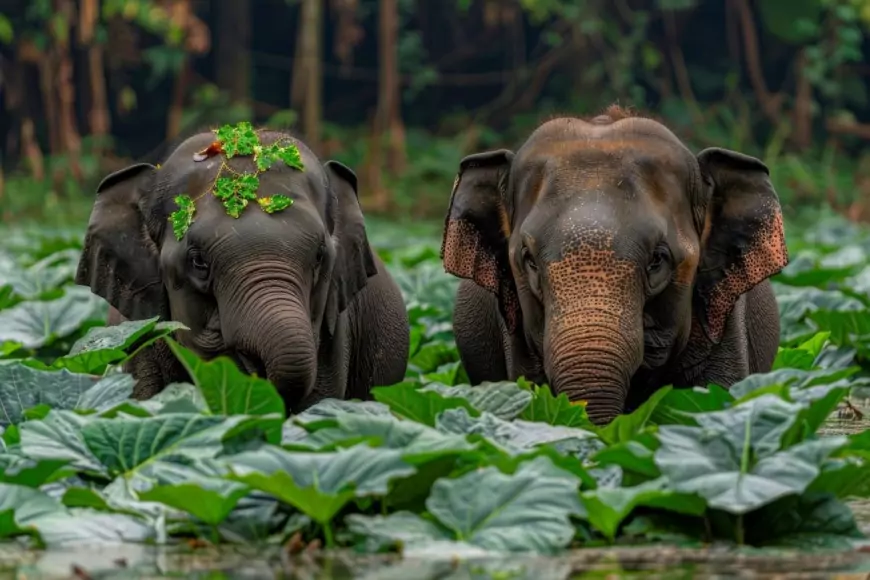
(354,261)
(477,228)
(746,240)
(119,261)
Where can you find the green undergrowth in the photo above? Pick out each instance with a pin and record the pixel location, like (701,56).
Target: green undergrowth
(431,465)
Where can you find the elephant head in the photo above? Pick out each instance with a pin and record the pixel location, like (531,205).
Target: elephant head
(610,247)
(264,289)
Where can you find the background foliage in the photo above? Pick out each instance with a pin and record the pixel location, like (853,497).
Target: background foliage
(401,89)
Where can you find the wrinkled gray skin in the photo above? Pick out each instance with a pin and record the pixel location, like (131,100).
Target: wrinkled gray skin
(297,297)
(607,260)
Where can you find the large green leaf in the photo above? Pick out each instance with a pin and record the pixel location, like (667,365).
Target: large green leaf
(416,441)
(410,401)
(607,507)
(23,387)
(526,511)
(209,500)
(319,484)
(512,436)
(105,345)
(546,408)
(505,400)
(59,437)
(733,459)
(21,507)
(125,444)
(226,389)
(624,427)
(35,324)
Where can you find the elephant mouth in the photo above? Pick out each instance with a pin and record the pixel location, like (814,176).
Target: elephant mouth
(251,364)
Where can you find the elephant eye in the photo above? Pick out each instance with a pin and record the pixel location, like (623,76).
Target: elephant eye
(198,263)
(659,259)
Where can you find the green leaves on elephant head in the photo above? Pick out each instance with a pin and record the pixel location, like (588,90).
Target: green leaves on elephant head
(275,203)
(235,189)
(183,216)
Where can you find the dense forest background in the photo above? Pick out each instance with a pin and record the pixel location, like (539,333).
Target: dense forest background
(401,89)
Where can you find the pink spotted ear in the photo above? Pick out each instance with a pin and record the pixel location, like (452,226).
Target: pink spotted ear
(746,243)
(477,228)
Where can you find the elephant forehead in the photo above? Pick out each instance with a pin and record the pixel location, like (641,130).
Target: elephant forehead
(619,165)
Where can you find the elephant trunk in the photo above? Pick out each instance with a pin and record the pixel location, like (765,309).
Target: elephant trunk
(594,362)
(272,332)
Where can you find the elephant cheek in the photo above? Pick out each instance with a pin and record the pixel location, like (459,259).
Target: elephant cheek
(594,330)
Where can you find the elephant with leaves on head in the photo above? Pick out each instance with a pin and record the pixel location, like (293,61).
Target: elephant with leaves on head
(296,296)
(607,260)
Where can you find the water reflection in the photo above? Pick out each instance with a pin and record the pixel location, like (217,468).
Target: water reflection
(661,562)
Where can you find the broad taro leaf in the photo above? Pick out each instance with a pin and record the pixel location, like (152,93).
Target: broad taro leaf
(546,408)
(607,507)
(35,324)
(431,356)
(679,406)
(226,389)
(21,507)
(792,378)
(319,484)
(514,437)
(624,427)
(124,445)
(809,521)
(418,443)
(402,527)
(635,456)
(59,437)
(408,400)
(105,345)
(73,527)
(107,393)
(804,355)
(452,373)
(23,387)
(328,409)
(20,470)
(733,459)
(526,511)
(209,500)
(36,282)
(505,400)
(176,398)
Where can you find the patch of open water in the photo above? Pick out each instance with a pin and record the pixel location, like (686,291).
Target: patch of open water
(132,561)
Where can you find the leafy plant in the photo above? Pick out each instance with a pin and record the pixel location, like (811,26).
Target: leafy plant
(431,464)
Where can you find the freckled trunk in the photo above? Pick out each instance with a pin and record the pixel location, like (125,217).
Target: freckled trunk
(591,352)
(272,325)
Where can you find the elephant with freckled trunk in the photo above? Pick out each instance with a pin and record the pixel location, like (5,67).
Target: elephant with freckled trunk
(607,260)
(297,297)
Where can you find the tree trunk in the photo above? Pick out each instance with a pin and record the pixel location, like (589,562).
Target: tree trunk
(389,99)
(98,113)
(70,140)
(306,90)
(802,111)
(176,108)
(233,55)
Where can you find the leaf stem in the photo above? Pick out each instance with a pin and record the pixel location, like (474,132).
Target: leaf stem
(327,533)
(741,540)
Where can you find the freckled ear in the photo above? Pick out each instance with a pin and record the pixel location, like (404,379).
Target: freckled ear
(477,228)
(746,243)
